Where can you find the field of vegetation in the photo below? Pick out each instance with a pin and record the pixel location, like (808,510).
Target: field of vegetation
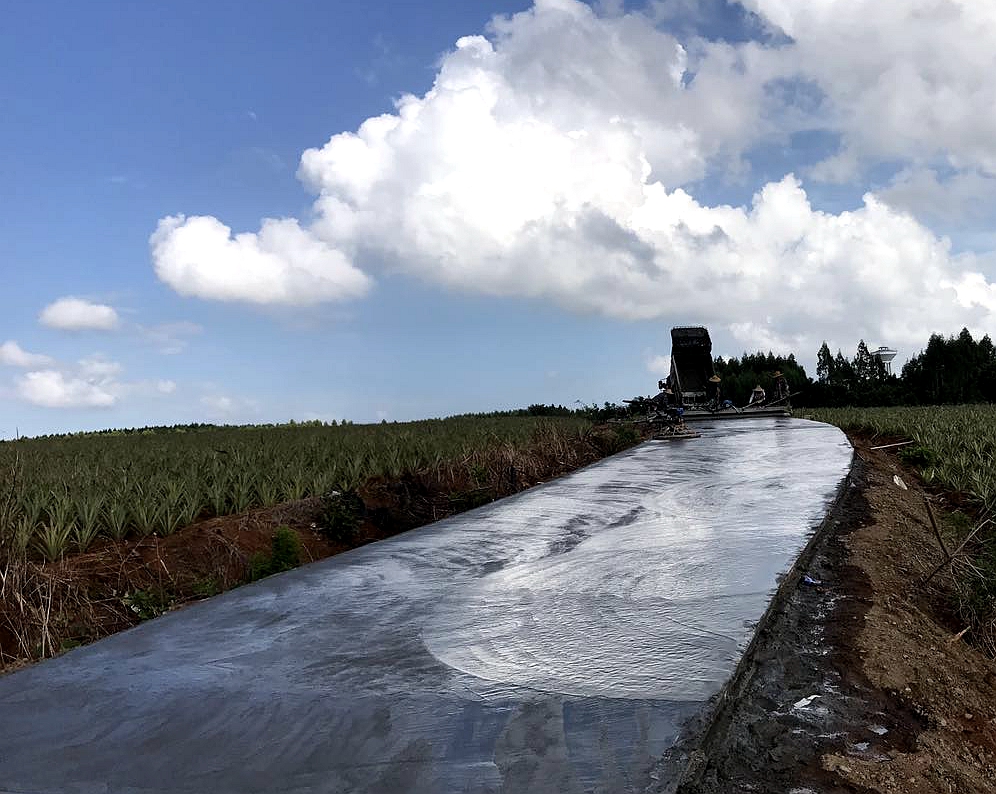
(954,450)
(954,445)
(59,494)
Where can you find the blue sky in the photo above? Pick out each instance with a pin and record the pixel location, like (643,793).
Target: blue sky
(560,187)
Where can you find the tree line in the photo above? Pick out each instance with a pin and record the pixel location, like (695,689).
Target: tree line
(952,370)
(949,370)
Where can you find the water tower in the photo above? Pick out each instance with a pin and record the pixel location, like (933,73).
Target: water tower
(885,355)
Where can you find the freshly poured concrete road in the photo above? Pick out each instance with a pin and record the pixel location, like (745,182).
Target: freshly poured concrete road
(551,642)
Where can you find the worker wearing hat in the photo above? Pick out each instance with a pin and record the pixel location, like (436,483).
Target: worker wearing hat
(781,385)
(757,396)
(717,394)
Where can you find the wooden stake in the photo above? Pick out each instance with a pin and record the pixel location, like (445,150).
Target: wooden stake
(937,532)
(897,444)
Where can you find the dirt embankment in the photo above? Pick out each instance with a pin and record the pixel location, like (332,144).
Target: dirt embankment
(863,681)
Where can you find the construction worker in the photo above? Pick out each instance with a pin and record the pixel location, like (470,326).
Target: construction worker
(781,385)
(717,395)
(757,396)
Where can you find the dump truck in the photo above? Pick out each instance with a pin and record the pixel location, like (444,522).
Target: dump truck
(691,365)
(693,382)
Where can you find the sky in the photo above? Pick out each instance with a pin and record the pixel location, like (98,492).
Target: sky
(236,212)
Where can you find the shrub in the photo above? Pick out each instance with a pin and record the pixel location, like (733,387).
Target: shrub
(341,514)
(148,604)
(286,549)
(285,553)
(917,455)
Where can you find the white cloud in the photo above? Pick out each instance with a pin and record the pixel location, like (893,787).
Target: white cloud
(99,369)
(554,157)
(54,389)
(281,264)
(542,163)
(960,200)
(659,365)
(93,383)
(222,407)
(13,355)
(218,403)
(77,314)
(165,386)
(900,80)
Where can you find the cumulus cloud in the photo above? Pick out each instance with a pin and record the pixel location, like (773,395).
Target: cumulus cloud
(898,80)
(565,189)
(94,382)
(281,264)
(55,389)
(13,355)
(556,156)
(77,314)
(659,365)
(960,200)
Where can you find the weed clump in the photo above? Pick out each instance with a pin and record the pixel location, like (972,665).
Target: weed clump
(919,456)
(340,516)
(975,595)
(626,436)
(285,553)
(149,603)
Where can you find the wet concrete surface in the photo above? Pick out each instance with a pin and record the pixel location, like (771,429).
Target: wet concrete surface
(551,642)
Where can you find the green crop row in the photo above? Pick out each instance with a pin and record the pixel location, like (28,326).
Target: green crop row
(58,494)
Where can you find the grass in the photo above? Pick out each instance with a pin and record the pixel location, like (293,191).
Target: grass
(954,445)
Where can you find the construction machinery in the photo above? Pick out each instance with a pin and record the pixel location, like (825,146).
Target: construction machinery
(693,388)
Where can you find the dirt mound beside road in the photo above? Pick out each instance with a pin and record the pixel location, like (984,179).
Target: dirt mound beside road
(861,683)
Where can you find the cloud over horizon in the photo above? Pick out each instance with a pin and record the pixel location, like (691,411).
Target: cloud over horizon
(92,384)
(281,264)
(558,157)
